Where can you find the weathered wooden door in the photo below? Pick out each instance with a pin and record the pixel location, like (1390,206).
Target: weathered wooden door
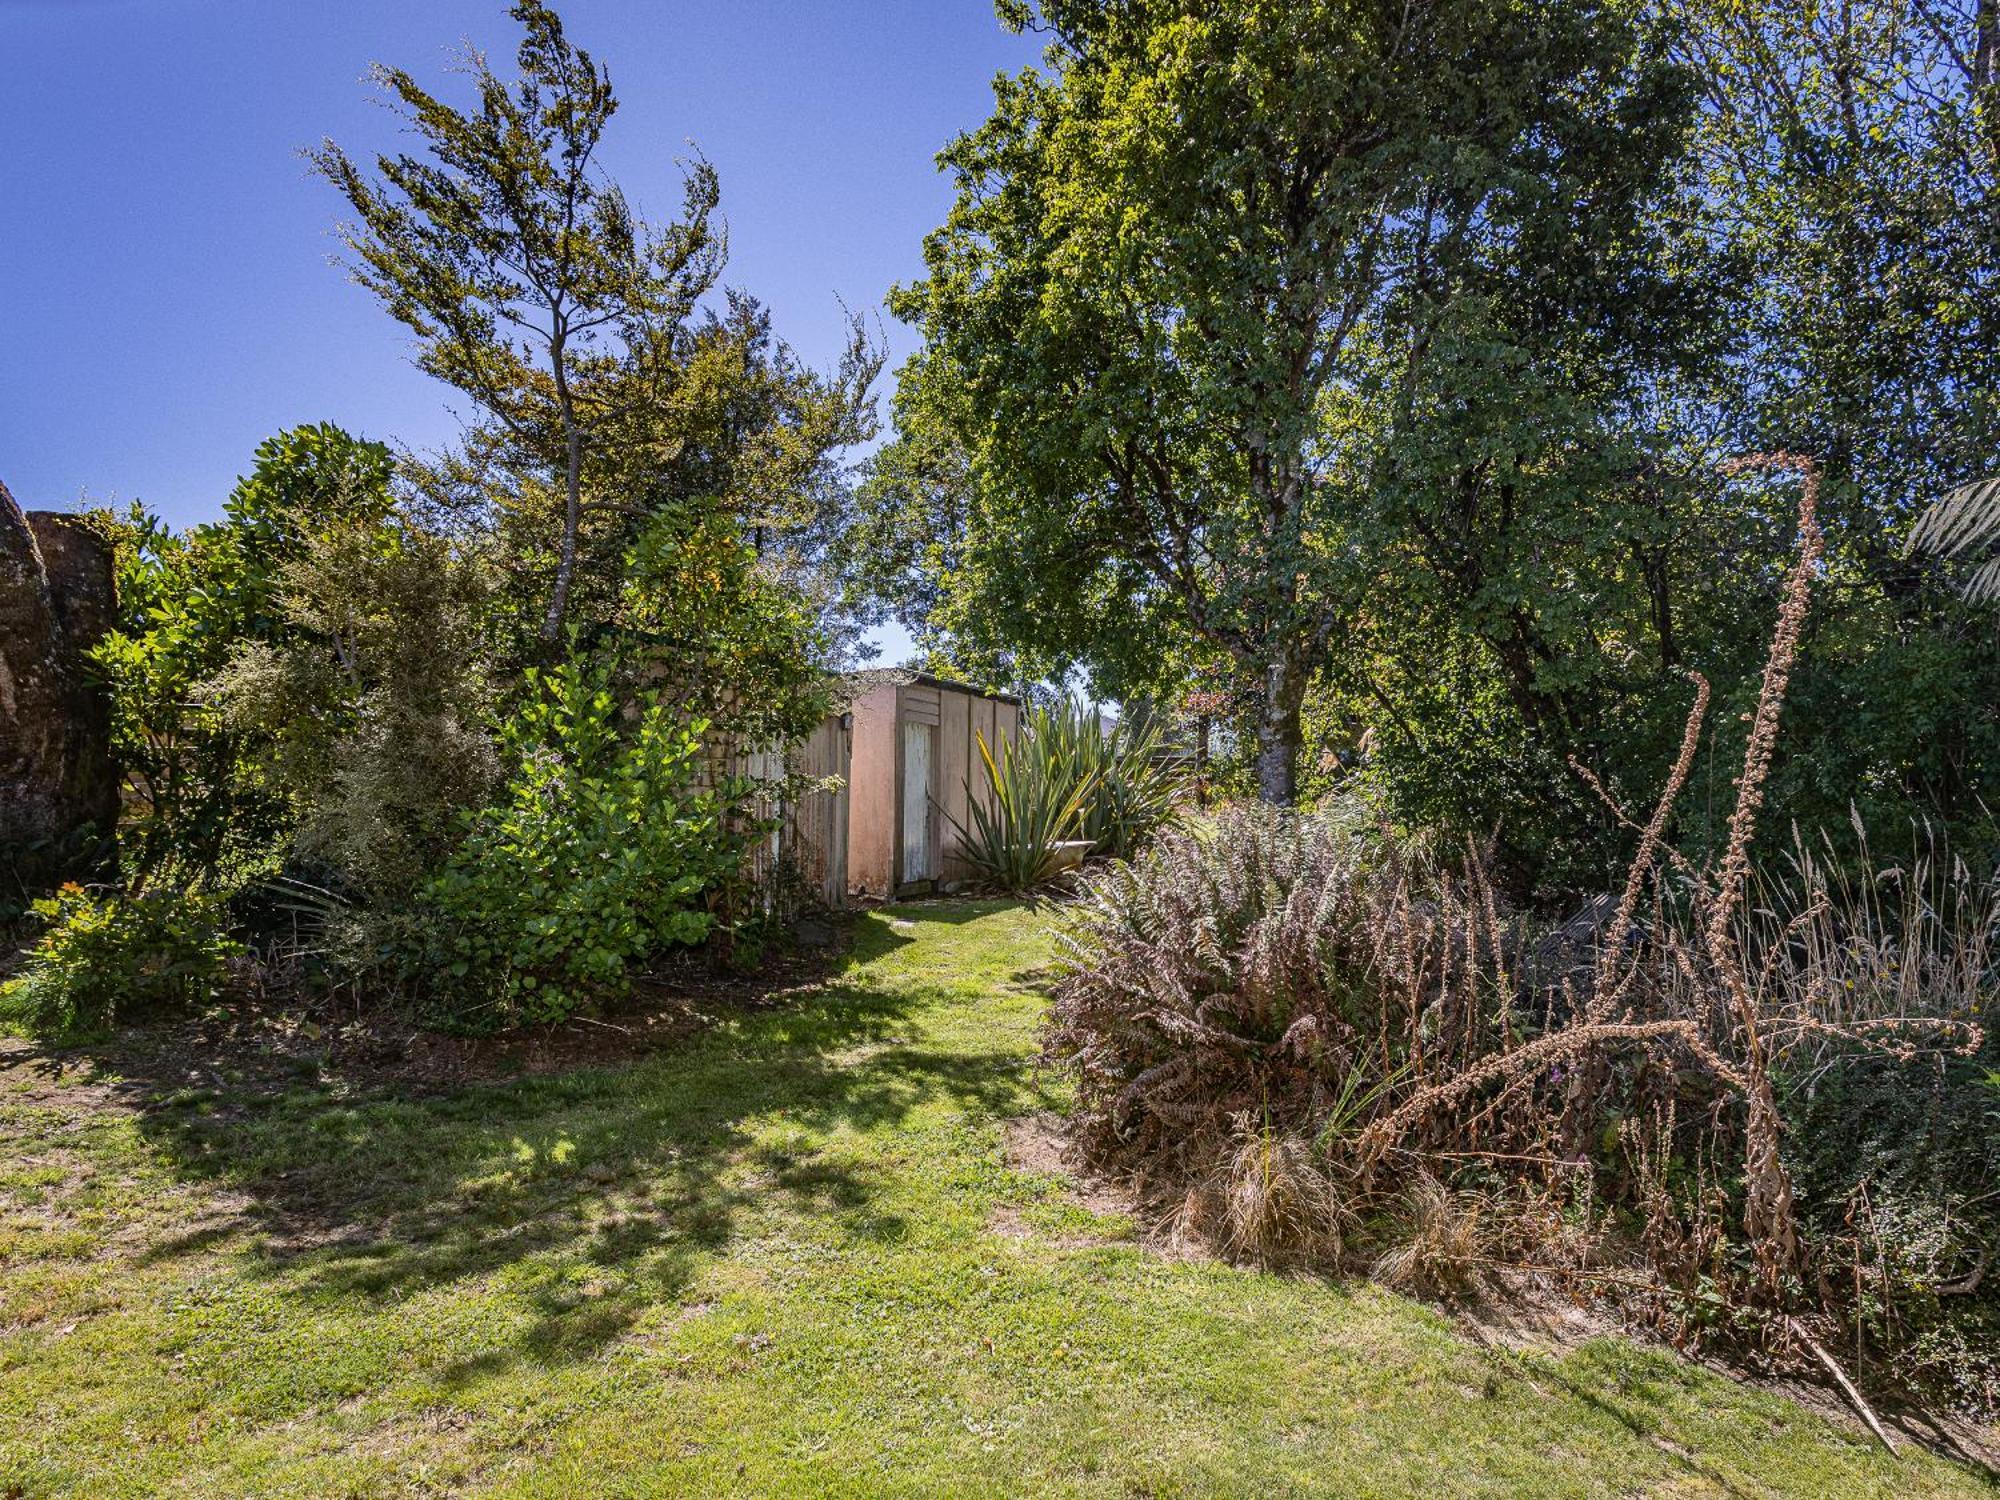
(919,742)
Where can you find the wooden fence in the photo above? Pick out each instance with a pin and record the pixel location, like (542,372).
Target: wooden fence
(803,794)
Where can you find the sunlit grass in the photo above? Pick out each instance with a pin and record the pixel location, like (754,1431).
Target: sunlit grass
(788,1259)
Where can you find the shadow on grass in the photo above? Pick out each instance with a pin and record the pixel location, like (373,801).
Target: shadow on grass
(591,1196)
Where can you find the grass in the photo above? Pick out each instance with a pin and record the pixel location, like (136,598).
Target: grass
(788,1259)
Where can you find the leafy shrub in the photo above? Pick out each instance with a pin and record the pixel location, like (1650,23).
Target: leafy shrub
(1063,780)
(206,810)
(105,959)
(1897,1163)
(369,711)
(597,854)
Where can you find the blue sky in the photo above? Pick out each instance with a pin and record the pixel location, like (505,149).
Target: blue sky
(164,262)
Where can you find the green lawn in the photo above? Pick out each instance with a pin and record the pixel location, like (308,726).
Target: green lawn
(789,1258)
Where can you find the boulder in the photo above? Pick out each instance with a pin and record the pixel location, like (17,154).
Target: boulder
(58,785)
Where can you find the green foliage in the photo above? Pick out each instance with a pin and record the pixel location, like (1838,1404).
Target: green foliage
(654,480)
(1173,328)
(1131,789)
(526,276)
(597,854)
(1379,383)
(1842,168)
(104,959)
(318,692)
(1027,803)
(1901,1158)
(208,811)
(719,634)
(367,710)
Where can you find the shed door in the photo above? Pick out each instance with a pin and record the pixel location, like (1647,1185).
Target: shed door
(918,743)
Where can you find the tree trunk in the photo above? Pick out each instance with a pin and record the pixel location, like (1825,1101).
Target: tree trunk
(552,622)
(1278,491)
(1201,731)
(1986,71)
(1279,733)
(58,786)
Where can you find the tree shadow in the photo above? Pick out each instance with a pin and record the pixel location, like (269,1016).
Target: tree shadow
(1634,1389)
(597,1194)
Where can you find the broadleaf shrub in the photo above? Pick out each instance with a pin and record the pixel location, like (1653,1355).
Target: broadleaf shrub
(597,853)
(108,958)
(205,809)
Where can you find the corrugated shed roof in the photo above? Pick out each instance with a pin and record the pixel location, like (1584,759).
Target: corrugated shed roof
(905,676)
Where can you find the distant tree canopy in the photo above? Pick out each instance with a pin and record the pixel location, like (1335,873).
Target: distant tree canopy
(1362,372)
(1206,271)
(643,439)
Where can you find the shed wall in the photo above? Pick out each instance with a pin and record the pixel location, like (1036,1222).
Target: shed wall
(872,793)
(876,817)
(964,720)
(815,831)
(956,762)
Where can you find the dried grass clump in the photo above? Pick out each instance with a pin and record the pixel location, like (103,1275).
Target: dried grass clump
(1270,1199)
(1446,1241)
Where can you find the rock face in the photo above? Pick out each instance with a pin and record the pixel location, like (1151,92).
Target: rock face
(58,786)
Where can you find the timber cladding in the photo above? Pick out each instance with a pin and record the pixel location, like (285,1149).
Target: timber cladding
(802,794)
(914,773)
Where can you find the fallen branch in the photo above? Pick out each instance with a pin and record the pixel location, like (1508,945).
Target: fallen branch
(1847,1389)
(1966,1285)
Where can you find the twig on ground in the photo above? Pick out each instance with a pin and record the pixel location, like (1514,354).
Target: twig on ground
(1854,1397)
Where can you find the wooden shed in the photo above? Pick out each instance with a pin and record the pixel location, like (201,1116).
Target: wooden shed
(913,767)
(868,805)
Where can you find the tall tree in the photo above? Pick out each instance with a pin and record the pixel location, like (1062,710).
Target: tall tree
(1155,315)
(1853,153)
(528,280)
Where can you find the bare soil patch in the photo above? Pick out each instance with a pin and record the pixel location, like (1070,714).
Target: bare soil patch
(1037,1143)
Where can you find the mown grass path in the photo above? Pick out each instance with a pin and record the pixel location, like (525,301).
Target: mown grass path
(788,1259)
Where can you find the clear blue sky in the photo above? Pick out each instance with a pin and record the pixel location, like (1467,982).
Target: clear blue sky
(164,274)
